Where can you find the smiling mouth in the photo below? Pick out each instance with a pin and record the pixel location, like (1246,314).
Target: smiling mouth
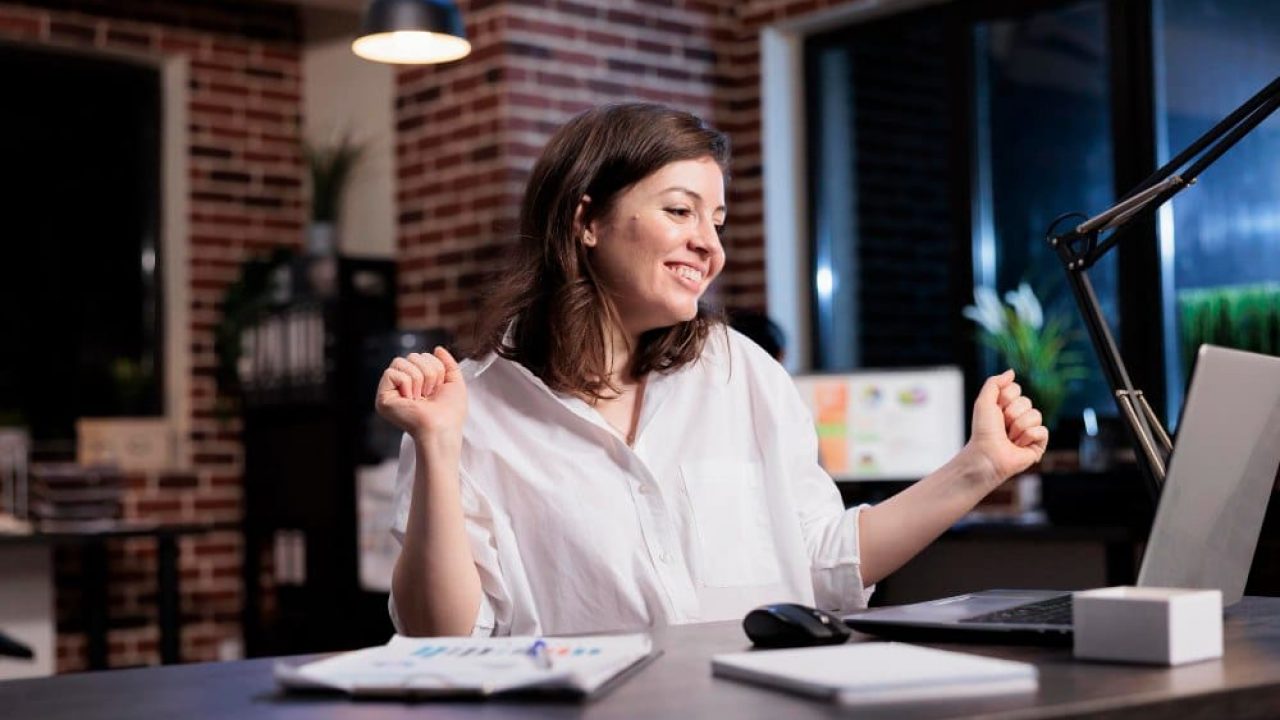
(684,272)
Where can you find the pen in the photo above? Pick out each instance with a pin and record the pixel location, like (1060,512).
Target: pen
(539,654)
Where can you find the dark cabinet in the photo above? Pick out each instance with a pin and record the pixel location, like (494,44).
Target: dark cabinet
(308,417)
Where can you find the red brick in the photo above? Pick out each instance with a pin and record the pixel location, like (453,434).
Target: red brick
(179,44)
(529,100)
(204,69)
(215,504)
(654,48)
(211,109)
(77,31)
(576,58)
(19,26)
(670,26)
(133,39)
(229,89)
(150,507)
(288,55)
(626,17)
(237,50)
(795,9)
(288,96)
(761,16)
(576,8)
(596,37)
(557,80)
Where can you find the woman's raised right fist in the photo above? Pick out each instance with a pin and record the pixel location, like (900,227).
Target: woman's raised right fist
(423,394)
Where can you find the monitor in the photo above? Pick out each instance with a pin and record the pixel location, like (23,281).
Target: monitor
(886,424)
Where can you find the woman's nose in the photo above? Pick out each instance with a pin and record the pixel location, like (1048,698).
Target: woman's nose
(705,238)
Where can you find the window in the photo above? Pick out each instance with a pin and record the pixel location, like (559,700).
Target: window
(79,279)
(1219,240)
(956,133)
(887,270)
(1042,147)
(944,142)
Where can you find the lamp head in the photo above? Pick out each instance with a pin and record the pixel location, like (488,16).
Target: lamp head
(412,32)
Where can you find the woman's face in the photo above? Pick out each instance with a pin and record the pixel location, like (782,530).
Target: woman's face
(658,248)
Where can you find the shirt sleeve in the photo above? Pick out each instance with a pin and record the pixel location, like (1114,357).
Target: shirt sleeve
(479,521)
(830,530)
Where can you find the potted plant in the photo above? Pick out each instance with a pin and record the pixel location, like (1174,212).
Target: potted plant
(1034,346)
(330,168)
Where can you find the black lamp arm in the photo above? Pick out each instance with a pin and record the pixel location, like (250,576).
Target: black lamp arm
(1079,249)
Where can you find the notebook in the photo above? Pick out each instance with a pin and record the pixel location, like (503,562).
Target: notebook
(872,673)
(457,666)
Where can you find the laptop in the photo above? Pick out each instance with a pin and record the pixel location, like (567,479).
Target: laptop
(1206,527)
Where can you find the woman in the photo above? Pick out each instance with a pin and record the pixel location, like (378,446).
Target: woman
(614,458)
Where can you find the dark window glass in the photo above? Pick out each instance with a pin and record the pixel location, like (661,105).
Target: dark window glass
(79,301)
(882,168)
(1042,146)
(1219,239)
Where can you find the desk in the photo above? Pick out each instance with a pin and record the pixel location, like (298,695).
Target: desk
(94,544)
(1244,683)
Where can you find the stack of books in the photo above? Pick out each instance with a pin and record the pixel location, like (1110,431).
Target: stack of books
(66,497)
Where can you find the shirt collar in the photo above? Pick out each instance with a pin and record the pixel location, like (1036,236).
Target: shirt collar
(479,365)
(483,363)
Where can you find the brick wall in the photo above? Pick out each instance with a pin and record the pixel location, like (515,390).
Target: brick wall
(470,131)
(245,197)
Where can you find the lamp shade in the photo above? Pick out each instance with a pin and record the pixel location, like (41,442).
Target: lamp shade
(412,32)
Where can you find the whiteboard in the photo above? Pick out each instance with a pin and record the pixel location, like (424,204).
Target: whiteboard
(886,424)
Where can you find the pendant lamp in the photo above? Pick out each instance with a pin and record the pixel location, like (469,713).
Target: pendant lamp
(412,32)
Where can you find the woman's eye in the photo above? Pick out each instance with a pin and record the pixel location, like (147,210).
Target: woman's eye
(679,211)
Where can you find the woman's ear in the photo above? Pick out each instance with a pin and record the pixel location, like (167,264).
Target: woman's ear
(580,228)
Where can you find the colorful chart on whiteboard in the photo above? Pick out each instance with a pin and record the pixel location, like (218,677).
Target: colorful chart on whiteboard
(886,425)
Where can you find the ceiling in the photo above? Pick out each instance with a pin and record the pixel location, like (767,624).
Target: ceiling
(354,6)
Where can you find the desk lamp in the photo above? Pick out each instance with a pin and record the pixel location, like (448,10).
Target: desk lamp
(1079,248)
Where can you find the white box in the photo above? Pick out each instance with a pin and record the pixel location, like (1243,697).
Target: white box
(1165,626)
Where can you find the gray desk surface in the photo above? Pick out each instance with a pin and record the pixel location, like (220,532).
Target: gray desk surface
(1244,683)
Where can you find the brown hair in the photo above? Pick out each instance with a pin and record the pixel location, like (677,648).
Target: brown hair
(550,297)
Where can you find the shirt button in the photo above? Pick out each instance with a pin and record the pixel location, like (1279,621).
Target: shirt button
(664,557)
(645,489)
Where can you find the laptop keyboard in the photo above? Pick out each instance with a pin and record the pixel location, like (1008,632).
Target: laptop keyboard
(1054,611)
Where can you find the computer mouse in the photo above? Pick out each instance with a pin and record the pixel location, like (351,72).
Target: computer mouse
(793,625)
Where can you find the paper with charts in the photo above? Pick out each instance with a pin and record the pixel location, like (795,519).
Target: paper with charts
(429,667)
(886,425)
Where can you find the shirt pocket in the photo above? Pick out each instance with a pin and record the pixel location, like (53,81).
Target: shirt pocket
(731,515)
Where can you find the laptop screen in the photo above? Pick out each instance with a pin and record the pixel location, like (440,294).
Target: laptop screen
(1220,476)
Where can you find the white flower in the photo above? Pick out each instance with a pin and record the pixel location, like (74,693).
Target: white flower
(986,310)
(1026,306)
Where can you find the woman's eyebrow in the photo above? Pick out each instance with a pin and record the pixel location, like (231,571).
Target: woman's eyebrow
(691,193)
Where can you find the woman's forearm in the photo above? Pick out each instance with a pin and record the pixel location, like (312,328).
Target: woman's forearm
(894,531)
(437,587)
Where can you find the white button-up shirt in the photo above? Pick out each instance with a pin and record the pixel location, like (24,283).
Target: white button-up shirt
(719,507)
